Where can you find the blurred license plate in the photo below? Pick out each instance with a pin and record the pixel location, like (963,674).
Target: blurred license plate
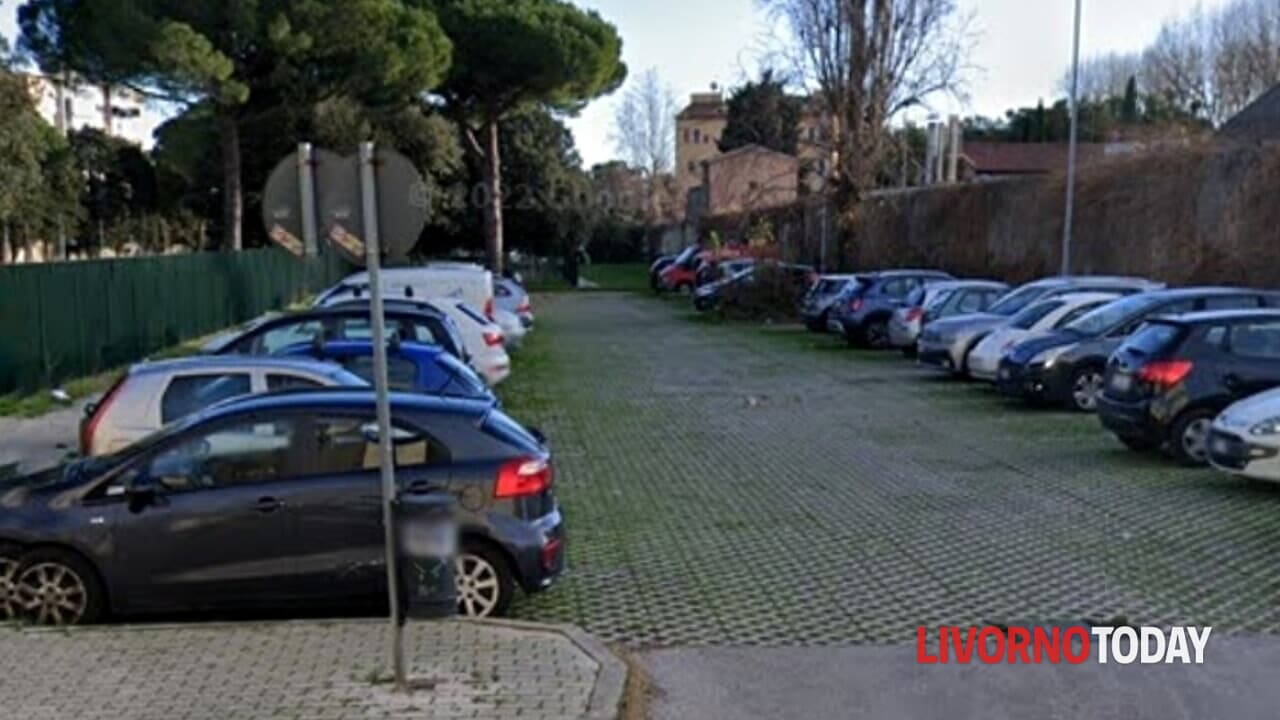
(1121,383)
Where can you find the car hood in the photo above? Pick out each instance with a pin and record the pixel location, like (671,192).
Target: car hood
(1024,351)
(1251,411)
(22,490)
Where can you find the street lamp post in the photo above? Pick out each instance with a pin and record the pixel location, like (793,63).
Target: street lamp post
(1069,220)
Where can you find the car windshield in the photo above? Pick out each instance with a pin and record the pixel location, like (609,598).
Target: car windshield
(1028,317)
(1110,315)
(1016,300)
(939,301)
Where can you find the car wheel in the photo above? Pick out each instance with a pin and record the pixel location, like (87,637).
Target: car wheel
(876,334)
(1086,386)
(1189,439)
(485,582)
(10,557)
(819,324)
(55,587)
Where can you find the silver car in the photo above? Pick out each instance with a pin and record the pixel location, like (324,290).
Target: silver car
(511,296)
(946,343)
(938,300)
(817,302)
(153,394)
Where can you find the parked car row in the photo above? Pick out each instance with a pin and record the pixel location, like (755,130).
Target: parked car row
(1192,371)
(249,476)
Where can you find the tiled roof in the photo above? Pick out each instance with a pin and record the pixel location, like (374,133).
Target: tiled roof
(703,111)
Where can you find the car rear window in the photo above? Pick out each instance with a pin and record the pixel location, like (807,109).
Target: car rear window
(1154,339)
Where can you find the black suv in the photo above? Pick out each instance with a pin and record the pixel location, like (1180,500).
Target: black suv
(272,500)
(1167,382)
(1066,367)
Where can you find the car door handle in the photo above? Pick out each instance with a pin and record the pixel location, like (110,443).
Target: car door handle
(268,505)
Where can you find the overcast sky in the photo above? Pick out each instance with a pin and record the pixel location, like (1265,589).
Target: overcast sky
(1022,49)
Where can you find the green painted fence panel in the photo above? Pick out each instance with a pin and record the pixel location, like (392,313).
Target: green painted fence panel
(65,320)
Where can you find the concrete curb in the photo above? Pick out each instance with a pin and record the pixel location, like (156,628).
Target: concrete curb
(611,680)
(606,696)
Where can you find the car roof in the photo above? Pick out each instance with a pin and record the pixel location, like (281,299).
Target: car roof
(394,303)
(962,284)
(223,363)
(411,349)
(1200,291)
(348,398)
(1061,280)
(1212,316)
(899,272)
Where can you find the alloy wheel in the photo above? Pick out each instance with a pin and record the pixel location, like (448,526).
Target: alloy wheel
(10,608)
(478,587)
(1085,391)
(1195,439)
(51,593)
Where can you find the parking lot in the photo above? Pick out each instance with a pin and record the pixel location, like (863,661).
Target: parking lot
(743,485)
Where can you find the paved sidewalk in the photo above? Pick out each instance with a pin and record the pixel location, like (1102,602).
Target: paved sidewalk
(40,442)
(313,670)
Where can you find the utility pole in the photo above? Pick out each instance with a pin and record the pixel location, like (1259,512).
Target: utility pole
(1069,220)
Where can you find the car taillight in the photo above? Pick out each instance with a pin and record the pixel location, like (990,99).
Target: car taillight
(522,477)
(99,411)
(855,305)
(915,314)
(524,306)
(488,308)
(492,338)
(551,554)
(1166,373)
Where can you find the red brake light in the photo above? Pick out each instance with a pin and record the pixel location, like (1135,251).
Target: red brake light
(915,314)
(1166,373)
(522,477)
(855,304)
(91,424)
(524,306)
(492,338)
(488,308)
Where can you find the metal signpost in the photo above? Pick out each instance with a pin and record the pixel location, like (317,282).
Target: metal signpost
(355,214)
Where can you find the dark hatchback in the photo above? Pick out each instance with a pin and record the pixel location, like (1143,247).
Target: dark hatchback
(272,500)
(863,310)
(1166,383)
(1066,367)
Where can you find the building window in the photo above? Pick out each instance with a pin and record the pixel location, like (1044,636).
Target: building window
(693,168)
(697,136)
(686,136)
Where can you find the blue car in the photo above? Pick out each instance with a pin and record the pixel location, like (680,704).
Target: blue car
(411,367)
(274,500)
(862,312)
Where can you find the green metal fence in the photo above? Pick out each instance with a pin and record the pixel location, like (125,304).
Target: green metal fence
(64,320)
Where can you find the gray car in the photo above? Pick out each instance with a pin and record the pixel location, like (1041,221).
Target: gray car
(511,296)
(153,394)
(946,343)
(817,302)
(938,300)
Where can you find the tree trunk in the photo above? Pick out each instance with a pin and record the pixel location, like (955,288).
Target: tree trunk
(232,196)
(493,197)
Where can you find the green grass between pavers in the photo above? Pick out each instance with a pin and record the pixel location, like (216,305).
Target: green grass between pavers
(527,393)
(631,277)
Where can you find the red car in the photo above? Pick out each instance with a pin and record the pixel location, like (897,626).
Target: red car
(682,275)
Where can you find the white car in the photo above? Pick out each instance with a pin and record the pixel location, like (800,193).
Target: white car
(1034,320)
(152,394)
(483,338)
(1245,438)
(512,328)
(455,281)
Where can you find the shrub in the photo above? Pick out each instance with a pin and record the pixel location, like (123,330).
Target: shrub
(772,296)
